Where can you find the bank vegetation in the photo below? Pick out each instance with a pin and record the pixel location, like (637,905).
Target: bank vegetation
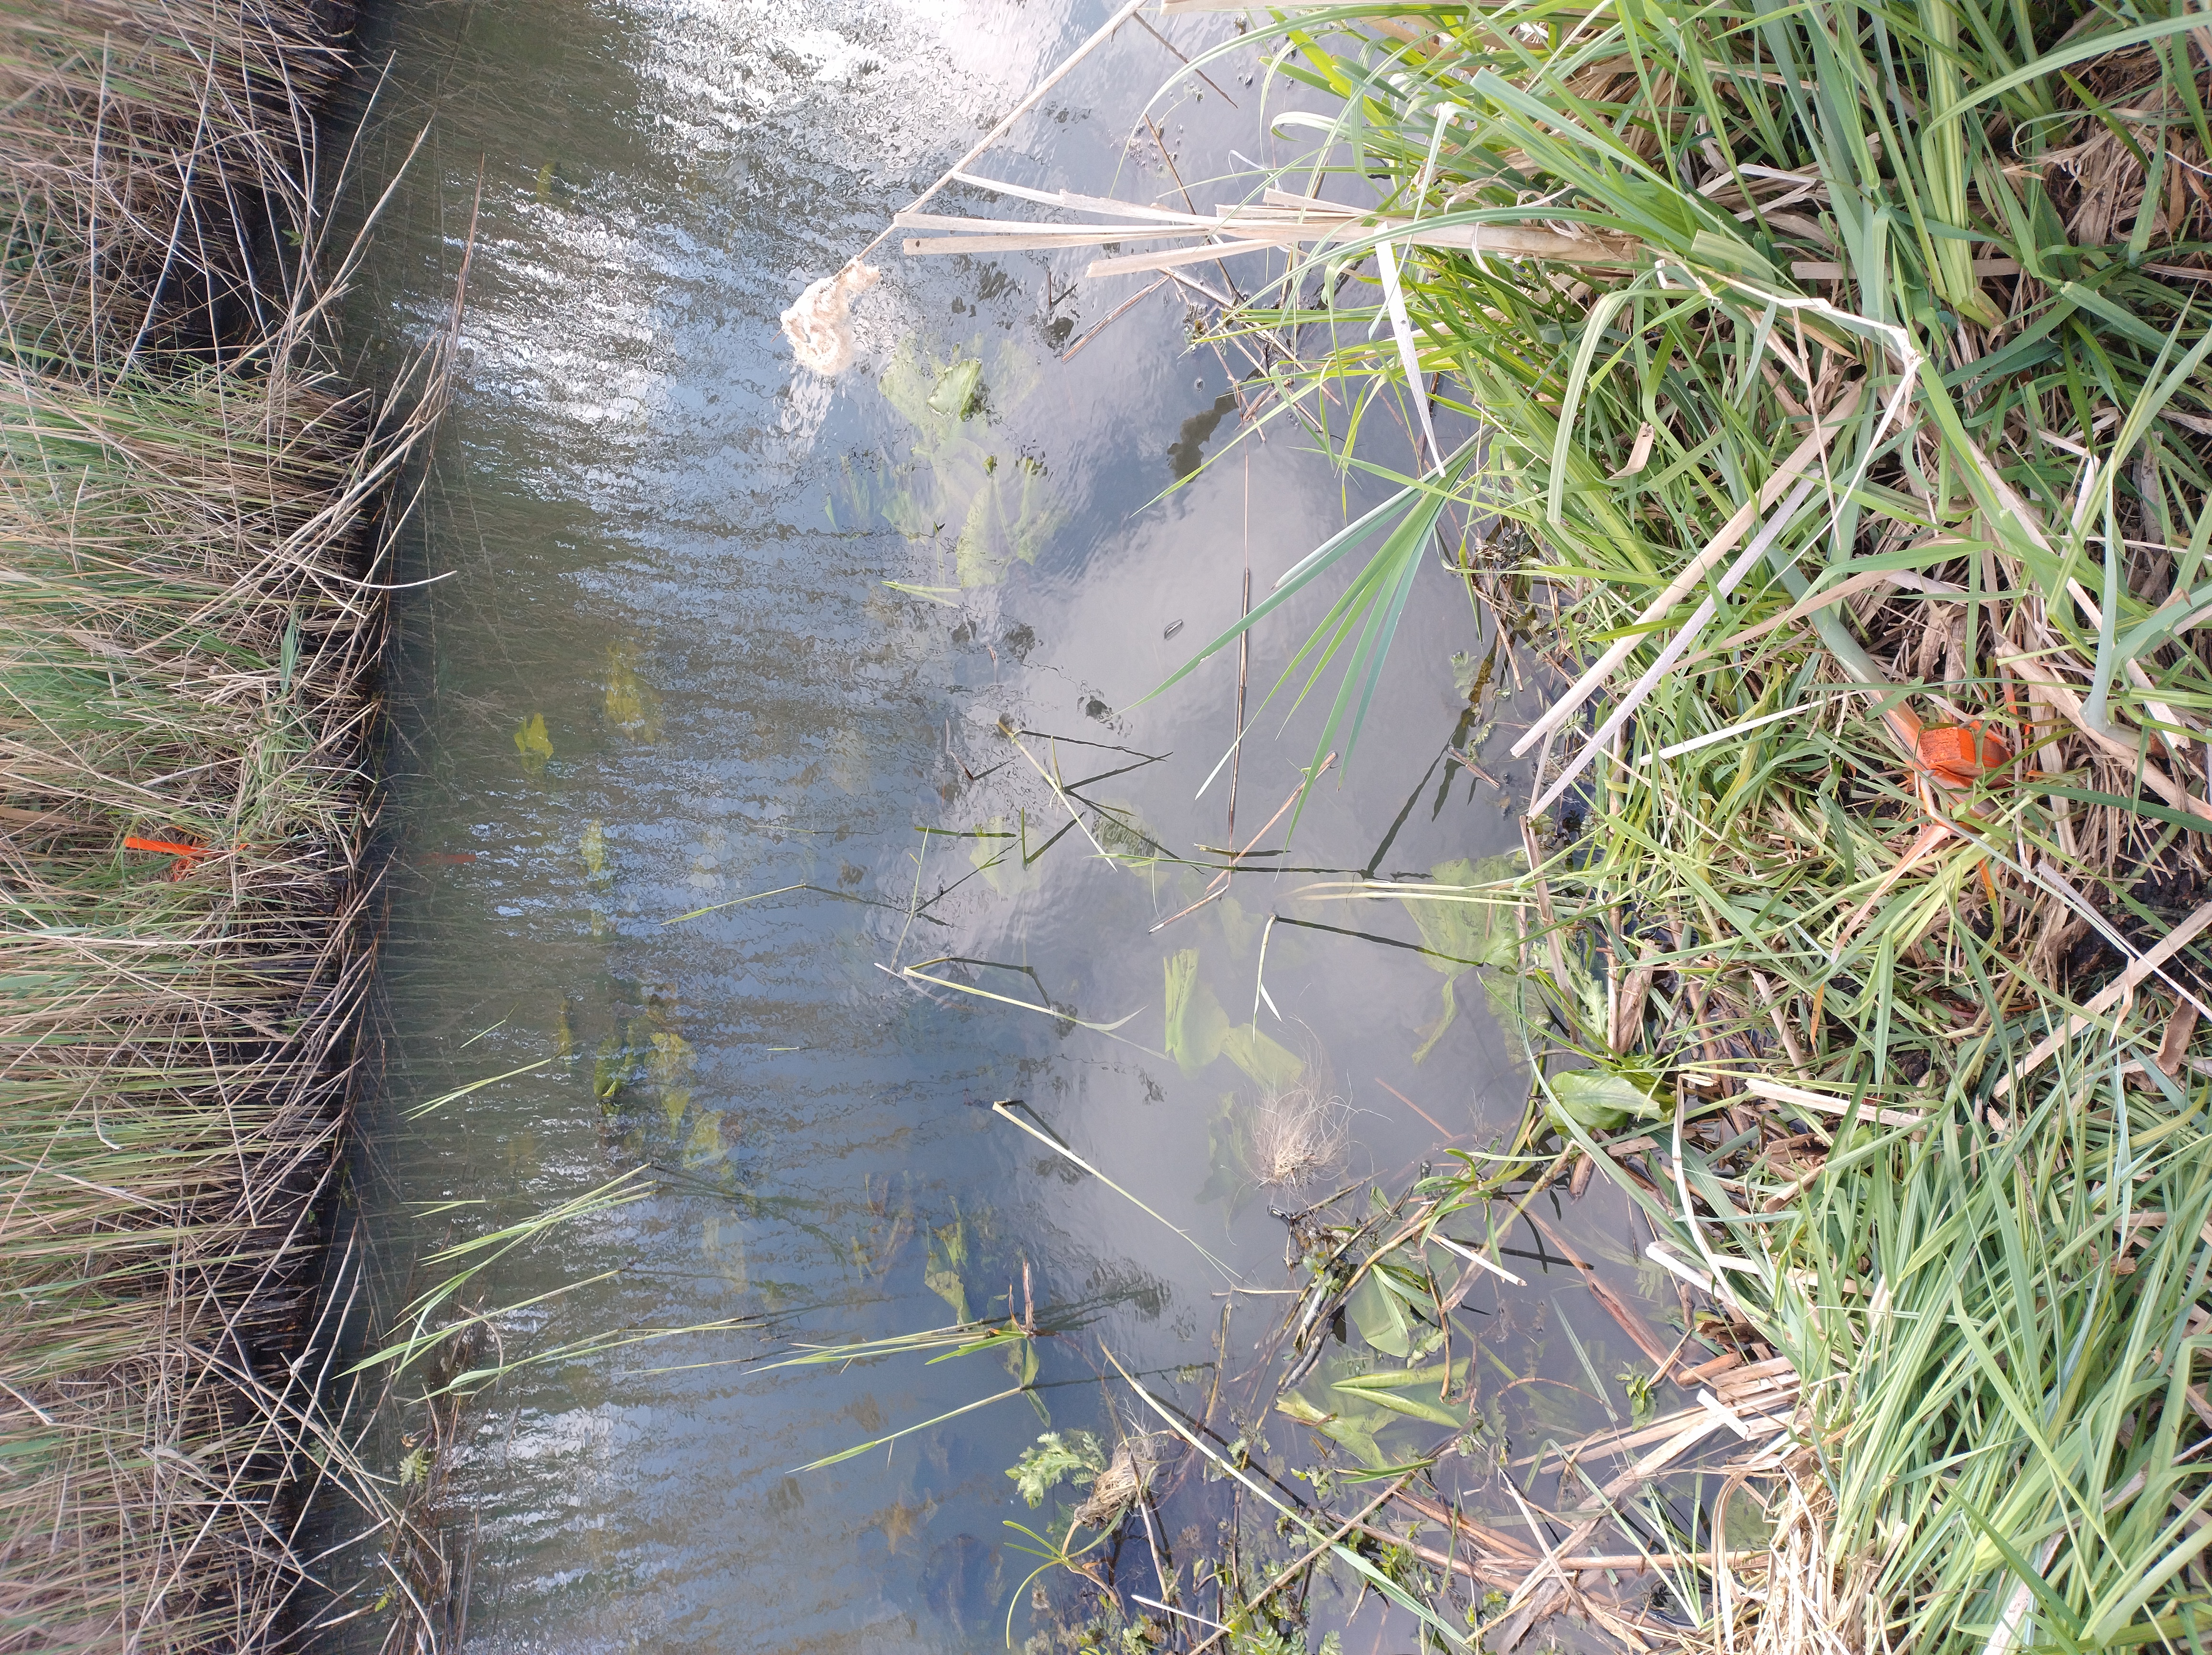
(190,512)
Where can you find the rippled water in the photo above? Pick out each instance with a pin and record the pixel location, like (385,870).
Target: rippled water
(708,627)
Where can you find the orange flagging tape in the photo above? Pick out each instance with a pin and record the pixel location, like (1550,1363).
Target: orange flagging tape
(164,846)
(185,854)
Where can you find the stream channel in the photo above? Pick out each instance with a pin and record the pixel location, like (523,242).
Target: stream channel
(706,626)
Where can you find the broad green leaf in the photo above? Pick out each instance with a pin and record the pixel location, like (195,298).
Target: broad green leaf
(1386,1389)
(1354,1425)
(1459,936)
(1274,1065)
(1196,1025)
(1379,1318)
(1601,1100)
(958,389)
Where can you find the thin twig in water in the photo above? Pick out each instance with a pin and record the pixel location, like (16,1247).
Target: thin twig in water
(1127,305)
(1004,1113)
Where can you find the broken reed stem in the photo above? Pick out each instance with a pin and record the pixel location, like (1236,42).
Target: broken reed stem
(816,325)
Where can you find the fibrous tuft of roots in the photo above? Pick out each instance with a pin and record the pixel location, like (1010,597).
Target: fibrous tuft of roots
(1300,1132)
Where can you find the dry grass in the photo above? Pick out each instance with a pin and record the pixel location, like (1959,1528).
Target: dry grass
(189,619)
(145,146)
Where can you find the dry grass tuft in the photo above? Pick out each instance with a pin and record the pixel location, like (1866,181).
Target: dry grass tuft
(1798,1598)
(1115,1490)
(145,145)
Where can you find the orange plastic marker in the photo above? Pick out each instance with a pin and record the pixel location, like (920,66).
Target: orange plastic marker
(1961,754)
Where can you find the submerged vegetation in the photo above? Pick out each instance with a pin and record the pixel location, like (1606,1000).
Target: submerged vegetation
(190,615)
(1827,400)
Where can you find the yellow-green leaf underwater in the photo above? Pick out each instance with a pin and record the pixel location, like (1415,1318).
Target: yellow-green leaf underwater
(535,746)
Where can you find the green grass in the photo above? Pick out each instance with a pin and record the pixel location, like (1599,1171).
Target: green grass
(177,1047)
(1838,380)
(1837,374)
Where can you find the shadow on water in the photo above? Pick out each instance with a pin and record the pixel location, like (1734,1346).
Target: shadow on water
(704,792)
(1188,452)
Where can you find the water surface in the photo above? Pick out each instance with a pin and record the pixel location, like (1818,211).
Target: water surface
(708,628)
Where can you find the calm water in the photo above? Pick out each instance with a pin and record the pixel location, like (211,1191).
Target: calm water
(711,627)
